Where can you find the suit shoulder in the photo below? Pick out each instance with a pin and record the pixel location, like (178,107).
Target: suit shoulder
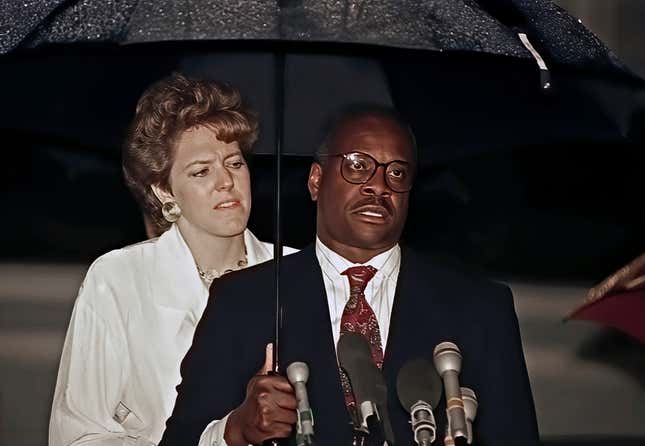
(461,283)
(264,270)
(286,250)
(257,281)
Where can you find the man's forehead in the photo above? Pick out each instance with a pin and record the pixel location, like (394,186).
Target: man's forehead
(372,131)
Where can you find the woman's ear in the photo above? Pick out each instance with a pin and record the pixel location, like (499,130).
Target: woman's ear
(162,194)
(313,183)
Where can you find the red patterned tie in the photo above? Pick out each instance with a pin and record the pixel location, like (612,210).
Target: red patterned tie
(358,317)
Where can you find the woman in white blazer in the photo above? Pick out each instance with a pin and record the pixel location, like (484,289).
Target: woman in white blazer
(136,312)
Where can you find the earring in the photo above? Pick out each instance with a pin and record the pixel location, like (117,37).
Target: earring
(171,211)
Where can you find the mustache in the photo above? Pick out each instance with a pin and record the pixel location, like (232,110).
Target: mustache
(374,201)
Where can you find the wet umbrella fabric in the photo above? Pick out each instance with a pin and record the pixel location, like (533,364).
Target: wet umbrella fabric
(488,26)
(482,91)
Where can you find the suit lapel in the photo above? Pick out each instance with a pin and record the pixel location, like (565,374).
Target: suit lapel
(307,336)
(402,330)
(416,322)
(420,313)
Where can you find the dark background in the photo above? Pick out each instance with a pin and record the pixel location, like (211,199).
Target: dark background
(568,209)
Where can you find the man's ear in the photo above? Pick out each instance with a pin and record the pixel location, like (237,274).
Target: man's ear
(315,176)
(162,194)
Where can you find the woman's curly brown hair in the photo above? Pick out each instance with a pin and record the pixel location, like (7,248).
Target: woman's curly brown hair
(166,110)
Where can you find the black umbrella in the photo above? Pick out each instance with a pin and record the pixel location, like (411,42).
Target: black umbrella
(518,40)
(540,33)
(490,26)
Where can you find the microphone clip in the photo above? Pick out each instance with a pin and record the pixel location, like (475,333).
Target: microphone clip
(303,437)
(423,423)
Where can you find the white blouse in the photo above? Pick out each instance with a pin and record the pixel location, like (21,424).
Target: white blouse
(132,323)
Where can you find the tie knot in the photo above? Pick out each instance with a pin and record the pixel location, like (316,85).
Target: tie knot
(358,277)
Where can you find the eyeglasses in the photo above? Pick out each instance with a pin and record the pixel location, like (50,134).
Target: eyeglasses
(359,168)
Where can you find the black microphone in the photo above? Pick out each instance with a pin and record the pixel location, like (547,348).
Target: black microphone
(298,374)
(419,388)
(470,408)
(447,360)
(368,386)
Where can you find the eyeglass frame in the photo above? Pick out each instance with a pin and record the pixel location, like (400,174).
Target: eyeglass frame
(377,165)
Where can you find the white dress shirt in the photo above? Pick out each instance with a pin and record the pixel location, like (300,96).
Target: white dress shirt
(379,293)
(132,323)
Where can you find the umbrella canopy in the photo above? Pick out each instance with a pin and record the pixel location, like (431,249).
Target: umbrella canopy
(489,26)
(623,310)
(496,94)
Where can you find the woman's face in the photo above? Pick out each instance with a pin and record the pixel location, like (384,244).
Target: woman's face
(210,181)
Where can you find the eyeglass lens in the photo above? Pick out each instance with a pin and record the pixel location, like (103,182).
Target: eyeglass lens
(358,168)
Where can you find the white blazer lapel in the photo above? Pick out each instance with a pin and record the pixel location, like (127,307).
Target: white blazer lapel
(176,283)
(256,251)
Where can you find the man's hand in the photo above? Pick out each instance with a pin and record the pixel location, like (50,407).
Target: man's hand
(269,410)
(628,277)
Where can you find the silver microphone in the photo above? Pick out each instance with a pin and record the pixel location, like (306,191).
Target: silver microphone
(298,374)
(447,360)
(470,408)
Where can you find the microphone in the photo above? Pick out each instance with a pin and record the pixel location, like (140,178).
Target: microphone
(448,440)
(419,388)
(447,360)
(298,374)
(470,408)
(368,387)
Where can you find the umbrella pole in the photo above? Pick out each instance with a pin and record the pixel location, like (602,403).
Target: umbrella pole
(277,227)
(277,230)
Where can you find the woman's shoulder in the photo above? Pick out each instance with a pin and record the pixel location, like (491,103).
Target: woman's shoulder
(123,259)
(118,274)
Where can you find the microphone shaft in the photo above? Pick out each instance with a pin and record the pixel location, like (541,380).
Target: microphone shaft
(305,415)
(424,438)
(455,405)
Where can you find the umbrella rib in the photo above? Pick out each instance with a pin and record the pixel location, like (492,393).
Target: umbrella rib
(545,76)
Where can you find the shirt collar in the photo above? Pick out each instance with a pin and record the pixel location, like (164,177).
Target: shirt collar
(386,262)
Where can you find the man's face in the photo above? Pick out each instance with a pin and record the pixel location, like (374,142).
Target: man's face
(366,216)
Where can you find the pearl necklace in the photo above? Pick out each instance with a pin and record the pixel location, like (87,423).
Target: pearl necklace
(211,274)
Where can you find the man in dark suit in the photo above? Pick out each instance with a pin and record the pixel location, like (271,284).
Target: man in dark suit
(361,183)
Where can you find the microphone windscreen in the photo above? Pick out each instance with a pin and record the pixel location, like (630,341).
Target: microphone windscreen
(418,381)
(366,379)
(355,357)
(353,347)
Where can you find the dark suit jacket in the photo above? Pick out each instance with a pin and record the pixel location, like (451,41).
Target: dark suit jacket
(431,305)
